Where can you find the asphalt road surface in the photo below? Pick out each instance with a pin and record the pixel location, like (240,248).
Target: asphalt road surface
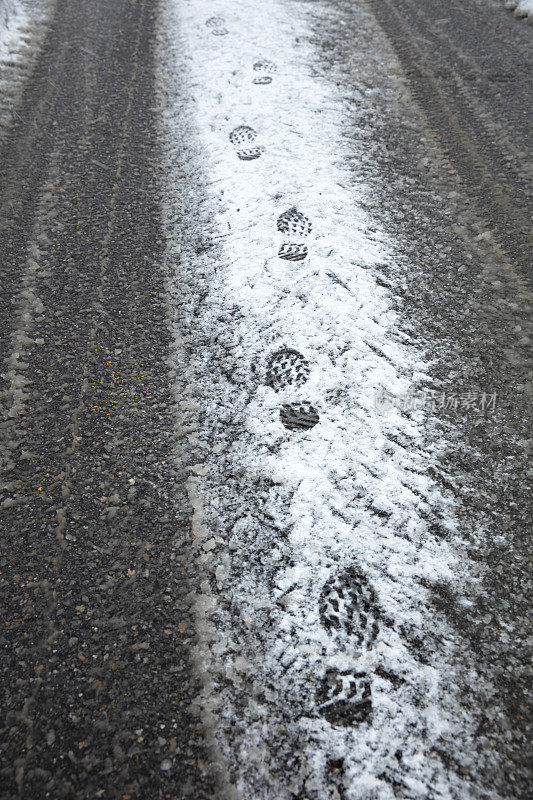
(99,644)
(95,624)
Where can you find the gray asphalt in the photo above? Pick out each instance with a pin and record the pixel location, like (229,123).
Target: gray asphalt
(94,525)
(95,625)
(469,67)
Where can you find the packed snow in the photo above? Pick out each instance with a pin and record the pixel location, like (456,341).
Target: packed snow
(326,672)
(13,15)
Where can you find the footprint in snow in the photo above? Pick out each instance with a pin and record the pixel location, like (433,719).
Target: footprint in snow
(298,416)
(348,609)
(243,138)
(263,70)
(295,227)
(287,368)
(344,697)
(216,24)
(349,612)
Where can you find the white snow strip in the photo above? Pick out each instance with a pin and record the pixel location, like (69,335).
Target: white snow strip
(10,10)
(326,671)
(14,19)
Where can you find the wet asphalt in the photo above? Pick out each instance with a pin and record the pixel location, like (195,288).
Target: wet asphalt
(94,518)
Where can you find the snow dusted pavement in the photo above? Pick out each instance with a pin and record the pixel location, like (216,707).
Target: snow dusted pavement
(327,671)
(266,342)
(22,28)
(521,8)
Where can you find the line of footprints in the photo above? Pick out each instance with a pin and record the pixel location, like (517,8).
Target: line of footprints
(286,367)
(348,607)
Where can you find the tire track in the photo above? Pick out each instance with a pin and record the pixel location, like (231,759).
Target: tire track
(97,503)
(462,130)
(26,160)
(465,77)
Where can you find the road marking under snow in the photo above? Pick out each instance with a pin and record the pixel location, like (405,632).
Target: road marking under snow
(316,523)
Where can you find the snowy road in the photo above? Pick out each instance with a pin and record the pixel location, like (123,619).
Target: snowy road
(266,404)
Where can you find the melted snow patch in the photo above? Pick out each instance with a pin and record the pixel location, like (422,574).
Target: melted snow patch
(326,671)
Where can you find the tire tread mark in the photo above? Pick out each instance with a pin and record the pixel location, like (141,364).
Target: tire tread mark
(492,197)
